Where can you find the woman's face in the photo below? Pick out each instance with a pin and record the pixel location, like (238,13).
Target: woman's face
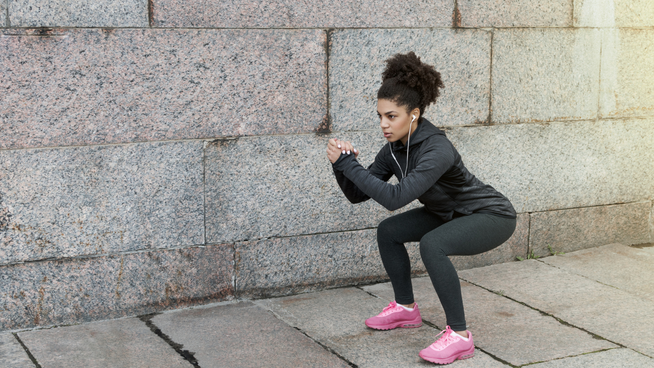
(395,120)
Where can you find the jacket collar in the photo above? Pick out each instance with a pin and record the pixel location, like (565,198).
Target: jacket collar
(424,130)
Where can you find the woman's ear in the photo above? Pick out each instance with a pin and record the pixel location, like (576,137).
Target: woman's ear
(415,112)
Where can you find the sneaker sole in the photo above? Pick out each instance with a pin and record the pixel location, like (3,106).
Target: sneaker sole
(465,355)
(391,327)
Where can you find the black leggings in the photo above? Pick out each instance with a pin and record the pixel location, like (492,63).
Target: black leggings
(464,235)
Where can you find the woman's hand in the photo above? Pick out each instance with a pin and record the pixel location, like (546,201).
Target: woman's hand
(336,148)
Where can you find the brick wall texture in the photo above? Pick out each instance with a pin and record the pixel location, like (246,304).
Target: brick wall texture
(165,153)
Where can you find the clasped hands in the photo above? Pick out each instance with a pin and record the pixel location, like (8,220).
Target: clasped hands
(336,148)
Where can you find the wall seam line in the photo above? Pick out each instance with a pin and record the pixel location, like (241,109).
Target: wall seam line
(490,86)
(313,133)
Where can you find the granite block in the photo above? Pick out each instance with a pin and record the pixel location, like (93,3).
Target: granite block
(282,186)
(515,13)
(357,61)
(580,228)
(623,13)
(542,75)
(80,290)
(78,13)
(100,199)
(297,264)
(508,330)
(242,335)
(125,343)
(651,225)
(303,14)
(92,86)
(574,299)
(3,14)
(626,268)
(626,83)
(12,354)
(336,318)
(552,166)
(625,358)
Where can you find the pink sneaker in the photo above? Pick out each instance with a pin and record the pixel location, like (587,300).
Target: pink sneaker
(395,316)
(449,348)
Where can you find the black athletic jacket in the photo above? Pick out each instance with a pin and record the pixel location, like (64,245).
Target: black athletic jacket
(436,177)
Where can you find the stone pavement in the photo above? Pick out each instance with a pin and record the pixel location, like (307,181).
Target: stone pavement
(590,308)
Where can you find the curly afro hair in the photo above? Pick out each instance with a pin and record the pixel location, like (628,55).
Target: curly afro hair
(409,82)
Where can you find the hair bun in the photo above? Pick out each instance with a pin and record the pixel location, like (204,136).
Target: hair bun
(407,69)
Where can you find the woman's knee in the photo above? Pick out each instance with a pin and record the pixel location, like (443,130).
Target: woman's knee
(432,246)
(385,229)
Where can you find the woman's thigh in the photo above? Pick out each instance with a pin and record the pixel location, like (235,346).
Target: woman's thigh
(409,226)
(469,235)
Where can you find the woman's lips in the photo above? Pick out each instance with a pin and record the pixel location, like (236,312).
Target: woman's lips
(386,135)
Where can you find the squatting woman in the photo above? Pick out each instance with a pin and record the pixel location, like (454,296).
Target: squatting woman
(461,215)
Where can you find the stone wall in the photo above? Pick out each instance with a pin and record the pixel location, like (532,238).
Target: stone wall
(164,153)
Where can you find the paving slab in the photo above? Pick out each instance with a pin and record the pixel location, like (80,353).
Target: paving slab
(336,319)
(242,335)
(508,330)
(121,343)
(624,358)
(626,268)
(12,354)
(610,313)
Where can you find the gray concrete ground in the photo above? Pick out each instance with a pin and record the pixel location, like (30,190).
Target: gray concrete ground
(590,308)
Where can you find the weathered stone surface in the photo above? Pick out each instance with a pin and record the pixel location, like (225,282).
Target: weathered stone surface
(545,74)
(508,330)
(242,335)
(293,14)
(612,358)
(296,264)
(624,13)
(258,187)
(90,86)
(515,13)
(651,225)
(575,299)
(626,86)
(12,355)
(78,13)
(98,200)
(626,268)
(357,61)
(542,167)
(64,292)
(336,319)
(580,228)
(3,14)
(118,343)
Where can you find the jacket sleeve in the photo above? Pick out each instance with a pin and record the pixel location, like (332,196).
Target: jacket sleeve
(433,162)
(377,169)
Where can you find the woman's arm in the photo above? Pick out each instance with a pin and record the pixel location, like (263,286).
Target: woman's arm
(431,165)
(335,151)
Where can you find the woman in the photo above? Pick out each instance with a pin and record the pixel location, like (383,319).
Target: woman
(461,215)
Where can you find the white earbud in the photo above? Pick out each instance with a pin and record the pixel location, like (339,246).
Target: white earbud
(414,118)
